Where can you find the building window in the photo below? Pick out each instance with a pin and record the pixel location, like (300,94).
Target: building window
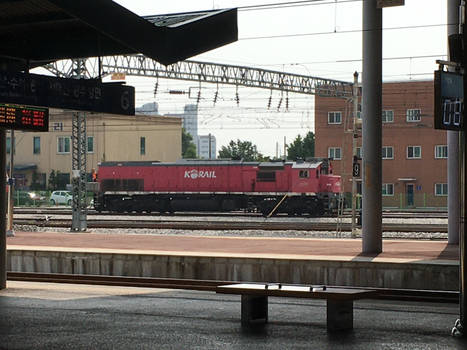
(334,153)
(8,145)
(388,116)
(334,117)
(414,152)
(388,189)
(63,144)
(388,152)
(359,153)
(414,115)
(36,145)
(441,151)
(266,176)
(58,126)
(90,144)
(441,189)
(142,145)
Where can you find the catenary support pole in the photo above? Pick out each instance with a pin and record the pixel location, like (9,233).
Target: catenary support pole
(372,128)
(3,210)
(11,198)
(354,154)
(453,148)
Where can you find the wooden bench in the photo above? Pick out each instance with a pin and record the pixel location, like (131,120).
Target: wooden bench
(255,301)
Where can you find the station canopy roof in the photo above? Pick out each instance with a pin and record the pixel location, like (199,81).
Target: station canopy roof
(38,31)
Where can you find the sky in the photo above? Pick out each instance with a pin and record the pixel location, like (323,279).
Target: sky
(317,38)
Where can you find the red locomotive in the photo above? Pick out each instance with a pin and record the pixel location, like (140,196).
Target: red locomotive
(218,185)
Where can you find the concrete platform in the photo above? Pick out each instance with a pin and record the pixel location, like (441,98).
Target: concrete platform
(403,264)
(56,316)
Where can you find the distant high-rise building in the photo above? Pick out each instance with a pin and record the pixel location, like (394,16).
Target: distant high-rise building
(151,108)
(207,146)
(189,120)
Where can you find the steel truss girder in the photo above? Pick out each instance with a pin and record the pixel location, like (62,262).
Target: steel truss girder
(78,166)
(139,65)
(78,157)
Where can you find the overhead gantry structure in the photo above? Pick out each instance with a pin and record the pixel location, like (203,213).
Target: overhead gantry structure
(139,65)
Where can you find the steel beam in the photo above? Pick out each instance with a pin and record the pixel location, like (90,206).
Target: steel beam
(139,65)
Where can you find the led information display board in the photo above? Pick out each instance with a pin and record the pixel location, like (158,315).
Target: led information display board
(449,101)
(74,94)
(24,117)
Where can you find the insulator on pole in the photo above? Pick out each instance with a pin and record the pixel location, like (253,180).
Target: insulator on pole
(279,104)
(287,101)
(270,100)
(156,86)
(199,96)
(215,96)
(237,97)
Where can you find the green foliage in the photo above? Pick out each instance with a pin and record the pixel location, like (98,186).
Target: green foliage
(53,181)
(241,150)
(188,147)
(302,148)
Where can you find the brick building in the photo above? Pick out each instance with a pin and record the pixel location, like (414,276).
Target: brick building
(414,153)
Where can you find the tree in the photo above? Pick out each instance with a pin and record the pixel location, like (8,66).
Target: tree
(241,150)
(52,180)
(302,148)
(188,147)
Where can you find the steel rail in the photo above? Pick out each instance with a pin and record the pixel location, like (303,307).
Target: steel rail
(412,295)
(91,212)
(226,225)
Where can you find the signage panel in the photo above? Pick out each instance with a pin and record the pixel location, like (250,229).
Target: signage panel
(356,169)
(449,101)
(75,94)
(389,3)
(24,117)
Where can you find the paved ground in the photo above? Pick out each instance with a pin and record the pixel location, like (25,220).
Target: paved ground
(403,250)
(56,316)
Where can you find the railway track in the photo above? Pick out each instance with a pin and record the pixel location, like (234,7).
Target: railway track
(266,225)
(418,214)
(211,285)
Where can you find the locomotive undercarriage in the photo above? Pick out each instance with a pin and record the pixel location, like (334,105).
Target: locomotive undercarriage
(267,204)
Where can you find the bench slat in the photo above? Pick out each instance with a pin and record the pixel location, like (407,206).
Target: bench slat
(294,291)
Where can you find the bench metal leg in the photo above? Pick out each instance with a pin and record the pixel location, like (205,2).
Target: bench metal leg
(254,309)
(339,315)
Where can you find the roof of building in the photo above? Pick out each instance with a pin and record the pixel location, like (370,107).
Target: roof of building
(38,31)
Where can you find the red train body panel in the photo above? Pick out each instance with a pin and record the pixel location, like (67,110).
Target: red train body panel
(219,184)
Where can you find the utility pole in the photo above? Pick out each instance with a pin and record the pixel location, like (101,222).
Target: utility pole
(210,146)
(355,164)
(285,150)
(11,182)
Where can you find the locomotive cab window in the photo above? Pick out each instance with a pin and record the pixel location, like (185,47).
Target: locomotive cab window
(266,176)
(304,174)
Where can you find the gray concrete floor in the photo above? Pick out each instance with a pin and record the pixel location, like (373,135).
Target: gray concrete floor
(57,316)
